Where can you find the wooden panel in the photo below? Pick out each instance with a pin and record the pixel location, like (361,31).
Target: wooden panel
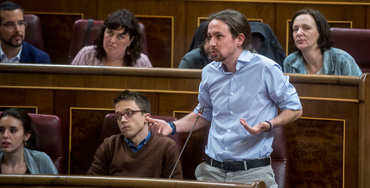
(315,148)
(57,49)
(159,39)
(309,152)
(85,130)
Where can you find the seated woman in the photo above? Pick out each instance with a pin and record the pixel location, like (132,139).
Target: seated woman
(312,37)
(118,43)
(16,132)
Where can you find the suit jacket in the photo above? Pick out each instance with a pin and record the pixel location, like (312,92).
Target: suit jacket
(31,54)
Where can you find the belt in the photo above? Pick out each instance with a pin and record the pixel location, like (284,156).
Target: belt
(238,165)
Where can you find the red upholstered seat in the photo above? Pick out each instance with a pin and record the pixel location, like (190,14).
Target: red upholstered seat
(279,158)
(50,135)
(34,31)
(79,34)
(355,42)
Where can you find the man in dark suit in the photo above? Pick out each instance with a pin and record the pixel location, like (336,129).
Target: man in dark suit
(13,48)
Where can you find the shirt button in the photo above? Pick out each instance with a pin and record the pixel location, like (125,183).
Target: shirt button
(228,130)
(226,149)
(232,94)
(231,112)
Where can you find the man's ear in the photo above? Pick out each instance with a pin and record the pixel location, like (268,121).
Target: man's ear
(240,39)
(145,116)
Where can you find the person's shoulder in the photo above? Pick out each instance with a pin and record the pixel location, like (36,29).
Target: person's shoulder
(291,57)
(143,61)
(29,47)
(113,139)
(37,154)
(164,140)
(194,51)
(263,58)
(337,51)
(88,49)
(211,67)
(341,55)
(263,61)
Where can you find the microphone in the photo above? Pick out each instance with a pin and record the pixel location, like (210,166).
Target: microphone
(200,111)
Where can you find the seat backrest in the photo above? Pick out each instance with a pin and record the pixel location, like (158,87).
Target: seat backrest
(356,43)
(34,31)
(110,126)
(50,136)
(279,159)
(79,34)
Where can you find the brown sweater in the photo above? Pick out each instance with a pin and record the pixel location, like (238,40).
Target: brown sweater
(154,160)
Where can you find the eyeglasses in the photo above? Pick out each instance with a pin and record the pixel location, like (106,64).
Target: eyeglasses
(12,25)
(127,114)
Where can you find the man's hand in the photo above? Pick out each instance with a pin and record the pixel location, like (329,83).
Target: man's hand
(257,129)
(159,127)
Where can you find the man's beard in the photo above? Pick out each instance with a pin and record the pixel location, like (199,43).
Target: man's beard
(13,43)
(218,57)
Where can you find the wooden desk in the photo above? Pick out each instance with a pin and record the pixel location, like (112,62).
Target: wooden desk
(327,146)
(44,181)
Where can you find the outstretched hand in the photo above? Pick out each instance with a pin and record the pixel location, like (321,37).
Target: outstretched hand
(159,127)
(257,129)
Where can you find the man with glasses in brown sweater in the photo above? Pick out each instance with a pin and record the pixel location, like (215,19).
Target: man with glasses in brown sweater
(136,152)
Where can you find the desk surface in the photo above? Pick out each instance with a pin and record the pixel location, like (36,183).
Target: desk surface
(109,181)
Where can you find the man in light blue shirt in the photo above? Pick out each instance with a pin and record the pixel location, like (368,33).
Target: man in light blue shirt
(241,93)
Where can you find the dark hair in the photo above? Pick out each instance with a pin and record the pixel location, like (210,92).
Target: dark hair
(121,19)
(237,22)
(27,124)
(141,101)
(8,5)
(325,40)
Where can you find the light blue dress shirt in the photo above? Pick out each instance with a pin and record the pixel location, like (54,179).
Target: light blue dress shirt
(336,62)
(254,92)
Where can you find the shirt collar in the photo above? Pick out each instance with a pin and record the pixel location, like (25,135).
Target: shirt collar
(16,59)
(243,59)
(141,144)
(300,62)
(328,65)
